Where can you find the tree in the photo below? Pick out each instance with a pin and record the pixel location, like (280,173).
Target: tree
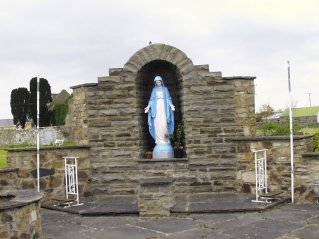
(264,111)
(19,105)
(60,112)
(45,99)
(59,107)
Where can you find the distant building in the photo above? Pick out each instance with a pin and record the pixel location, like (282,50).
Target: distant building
(274,117)
(6,123)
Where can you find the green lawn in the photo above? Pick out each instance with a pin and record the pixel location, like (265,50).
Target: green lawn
(304,111)
(3,158)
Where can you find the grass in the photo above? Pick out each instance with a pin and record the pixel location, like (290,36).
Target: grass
(305,111)
(3,158)
(309,111)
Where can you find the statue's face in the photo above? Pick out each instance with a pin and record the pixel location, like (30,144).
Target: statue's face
(158,82)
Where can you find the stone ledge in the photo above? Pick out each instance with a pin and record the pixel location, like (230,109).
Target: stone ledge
(239,78)
(267,138)
(47,148)
(156,181)
(162,160)
(311,155)
(115,71)
(18,198)
(83,85)
(8,170)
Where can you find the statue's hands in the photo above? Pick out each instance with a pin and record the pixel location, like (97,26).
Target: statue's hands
(146,109)
(173,107)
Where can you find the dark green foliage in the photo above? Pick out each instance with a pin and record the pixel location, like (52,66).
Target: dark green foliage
(269,128)
(316,142)
(179,136)
(19,105)
(59,108)
(177,139)
(273,128)
(45,99)
(59,113)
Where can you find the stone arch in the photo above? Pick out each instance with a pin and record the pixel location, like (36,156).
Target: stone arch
(161,52)
(166,61)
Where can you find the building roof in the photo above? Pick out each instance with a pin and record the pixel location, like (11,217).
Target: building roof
(6,122)
(304,111)
(274,116)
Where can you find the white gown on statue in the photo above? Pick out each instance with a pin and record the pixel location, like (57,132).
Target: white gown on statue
(160,123)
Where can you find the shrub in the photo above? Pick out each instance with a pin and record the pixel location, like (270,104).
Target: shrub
(177,139)
(273,128)
(316,142)
(179,136)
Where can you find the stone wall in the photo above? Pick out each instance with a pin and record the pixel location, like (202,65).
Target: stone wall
(213,108)
(245,104)
(109,117)
(9,136)
(278,164)
(51,169)
(20,214)
(303,120)
(76,124)
(306,120)
(309,177)
(23,223)
(9,179)
(212,117)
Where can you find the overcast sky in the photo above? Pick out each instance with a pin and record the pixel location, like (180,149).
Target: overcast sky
(70,42)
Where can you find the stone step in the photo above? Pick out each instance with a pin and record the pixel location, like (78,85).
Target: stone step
(100,190)
(123,177)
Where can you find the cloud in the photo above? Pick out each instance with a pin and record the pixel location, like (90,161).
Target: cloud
(72,42)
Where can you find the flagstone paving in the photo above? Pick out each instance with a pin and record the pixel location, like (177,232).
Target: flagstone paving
(286,221)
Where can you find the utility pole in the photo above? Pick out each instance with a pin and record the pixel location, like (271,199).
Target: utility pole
(38,136)
(291,140)
(309,96)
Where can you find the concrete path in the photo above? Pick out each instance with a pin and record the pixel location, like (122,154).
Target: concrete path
(286,221)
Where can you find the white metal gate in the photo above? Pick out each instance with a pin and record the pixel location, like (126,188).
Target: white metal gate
(71,178)
(261,174)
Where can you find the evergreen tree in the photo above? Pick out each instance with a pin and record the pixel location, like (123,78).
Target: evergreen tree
(59,107)
(59,113)
(19,105)
(45,99)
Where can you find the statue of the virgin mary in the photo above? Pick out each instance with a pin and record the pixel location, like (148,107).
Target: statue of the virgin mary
(160,111)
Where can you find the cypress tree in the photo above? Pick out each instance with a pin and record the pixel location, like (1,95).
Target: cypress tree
(45,99)
(19,105)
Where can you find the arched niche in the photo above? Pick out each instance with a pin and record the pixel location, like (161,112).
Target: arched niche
(177,71)
(145,83)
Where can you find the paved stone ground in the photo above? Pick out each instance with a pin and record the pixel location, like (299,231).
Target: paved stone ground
(185,203)
(286,221)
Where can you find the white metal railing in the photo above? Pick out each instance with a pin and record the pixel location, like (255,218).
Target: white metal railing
(261,174)
(71,178)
